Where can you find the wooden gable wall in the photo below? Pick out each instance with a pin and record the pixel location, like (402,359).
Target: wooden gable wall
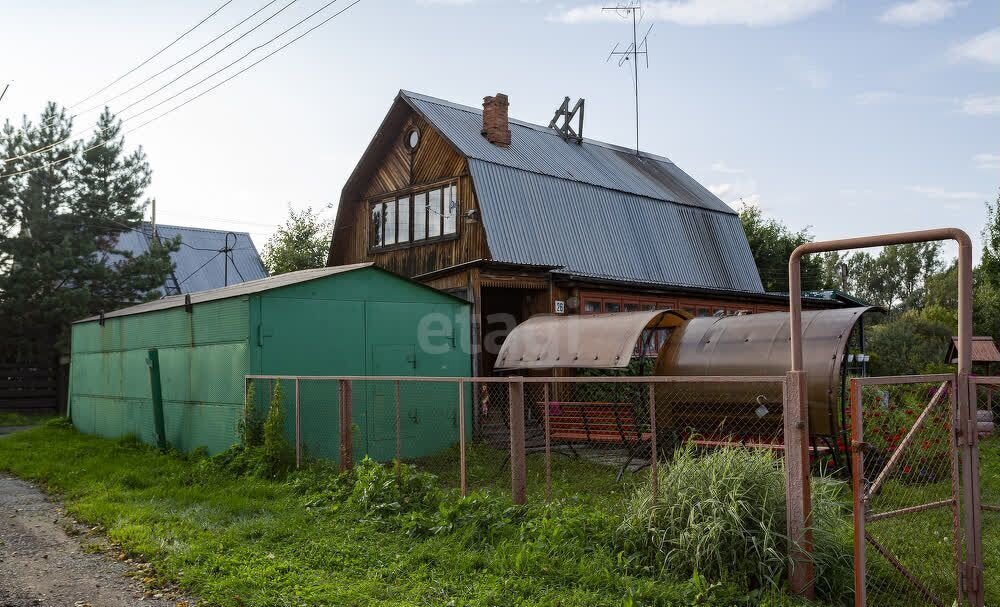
(397,171)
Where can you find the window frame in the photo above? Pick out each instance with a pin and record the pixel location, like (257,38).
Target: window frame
(410,195)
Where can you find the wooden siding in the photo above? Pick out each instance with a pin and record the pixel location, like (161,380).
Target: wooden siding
(397,172)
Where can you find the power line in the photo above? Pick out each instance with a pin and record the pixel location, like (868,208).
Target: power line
(151,57)
(168,83)
(212,88)
(215,54)
(179,61)
(253,50)
(215,73)
(210,260)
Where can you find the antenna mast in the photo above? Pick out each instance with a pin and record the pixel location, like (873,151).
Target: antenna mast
(631,53)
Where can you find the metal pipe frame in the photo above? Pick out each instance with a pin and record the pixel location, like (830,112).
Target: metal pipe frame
(647,379)
(966,405)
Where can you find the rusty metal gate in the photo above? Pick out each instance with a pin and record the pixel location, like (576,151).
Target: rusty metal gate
(908,537)
(914,471)
(986,392)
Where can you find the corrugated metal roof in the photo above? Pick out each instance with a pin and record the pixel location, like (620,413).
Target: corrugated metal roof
(198,264)
(541,150)
(592,231)
(595,209)
(984,350)
(245,288)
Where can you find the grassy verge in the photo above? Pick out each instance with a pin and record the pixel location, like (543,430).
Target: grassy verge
(316,538)
(9,418)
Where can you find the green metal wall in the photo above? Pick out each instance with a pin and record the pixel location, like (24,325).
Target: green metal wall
(365,322)
(362,322)
(203,356)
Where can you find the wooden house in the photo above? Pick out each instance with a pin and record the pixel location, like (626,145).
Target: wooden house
(519,219)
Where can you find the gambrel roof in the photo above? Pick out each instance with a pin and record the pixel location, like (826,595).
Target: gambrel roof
(591,209)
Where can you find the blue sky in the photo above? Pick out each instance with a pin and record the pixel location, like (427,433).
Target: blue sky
(846,116)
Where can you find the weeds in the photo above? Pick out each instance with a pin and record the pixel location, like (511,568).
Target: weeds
(721,515)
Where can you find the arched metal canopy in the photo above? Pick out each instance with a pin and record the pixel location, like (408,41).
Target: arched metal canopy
(758,344)
(591,341)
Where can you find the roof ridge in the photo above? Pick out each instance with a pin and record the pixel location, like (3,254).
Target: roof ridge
(535,127)
(195,229)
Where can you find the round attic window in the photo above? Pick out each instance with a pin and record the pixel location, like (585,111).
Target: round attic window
(413,139)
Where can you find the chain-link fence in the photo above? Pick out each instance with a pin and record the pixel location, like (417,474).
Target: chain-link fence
(908,534)
(987,394)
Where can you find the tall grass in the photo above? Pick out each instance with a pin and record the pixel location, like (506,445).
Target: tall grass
(721,514)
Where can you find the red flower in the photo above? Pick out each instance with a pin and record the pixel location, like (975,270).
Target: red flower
(906,469)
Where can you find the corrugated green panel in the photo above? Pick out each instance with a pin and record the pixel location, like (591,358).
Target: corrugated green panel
(86,337)
(221,321)
(156,330)
(193,425)
(217,372)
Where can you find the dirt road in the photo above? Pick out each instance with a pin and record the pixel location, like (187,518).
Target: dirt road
(42,564)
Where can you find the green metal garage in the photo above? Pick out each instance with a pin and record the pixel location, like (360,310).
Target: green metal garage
(355,320)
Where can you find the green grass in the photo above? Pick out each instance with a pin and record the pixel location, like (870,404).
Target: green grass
(9,418)
(319,539)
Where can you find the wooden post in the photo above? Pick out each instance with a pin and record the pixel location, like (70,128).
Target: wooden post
(346,421)
(968,434)
(548,442)
(858,488)
(798,499)
(463,487)
(654,478)
(156,388)
(298,427)
(518,465)
(399,439)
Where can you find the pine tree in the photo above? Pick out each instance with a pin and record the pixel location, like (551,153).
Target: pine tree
(59,225)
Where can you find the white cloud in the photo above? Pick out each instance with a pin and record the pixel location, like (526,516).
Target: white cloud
(981,105)
(738,188)
(809,73)
(984,48)
(943,194)
(919,12)
(445,2)
(751,13)
(986,161)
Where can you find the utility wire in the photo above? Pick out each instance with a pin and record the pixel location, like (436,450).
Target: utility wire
(210,260)
(168,83)
(178,62)
(244,56)
(151,57)
(213,87)
(216,53)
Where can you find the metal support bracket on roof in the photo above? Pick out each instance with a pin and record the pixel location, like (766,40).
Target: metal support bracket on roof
(566,130)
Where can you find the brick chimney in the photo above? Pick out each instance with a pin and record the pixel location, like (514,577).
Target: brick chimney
(496,127)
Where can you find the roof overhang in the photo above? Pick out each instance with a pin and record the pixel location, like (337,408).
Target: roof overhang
(592,341)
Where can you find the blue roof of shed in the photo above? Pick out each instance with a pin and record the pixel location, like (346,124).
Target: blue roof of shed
(595,209)
(198,263)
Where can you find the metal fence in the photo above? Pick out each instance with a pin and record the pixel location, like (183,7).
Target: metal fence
(987,395)
(537,438)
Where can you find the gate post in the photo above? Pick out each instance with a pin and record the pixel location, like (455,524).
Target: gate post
(798,499)
(971,498)
(857,491)
(518,467)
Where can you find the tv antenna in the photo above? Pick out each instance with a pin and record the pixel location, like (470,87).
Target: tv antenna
(633,10)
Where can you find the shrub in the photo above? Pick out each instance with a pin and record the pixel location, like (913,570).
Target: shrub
(721,514)
(278,454)
(250,427)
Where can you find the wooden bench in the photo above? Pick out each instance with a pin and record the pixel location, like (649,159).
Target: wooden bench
(754,442)
(606,423)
